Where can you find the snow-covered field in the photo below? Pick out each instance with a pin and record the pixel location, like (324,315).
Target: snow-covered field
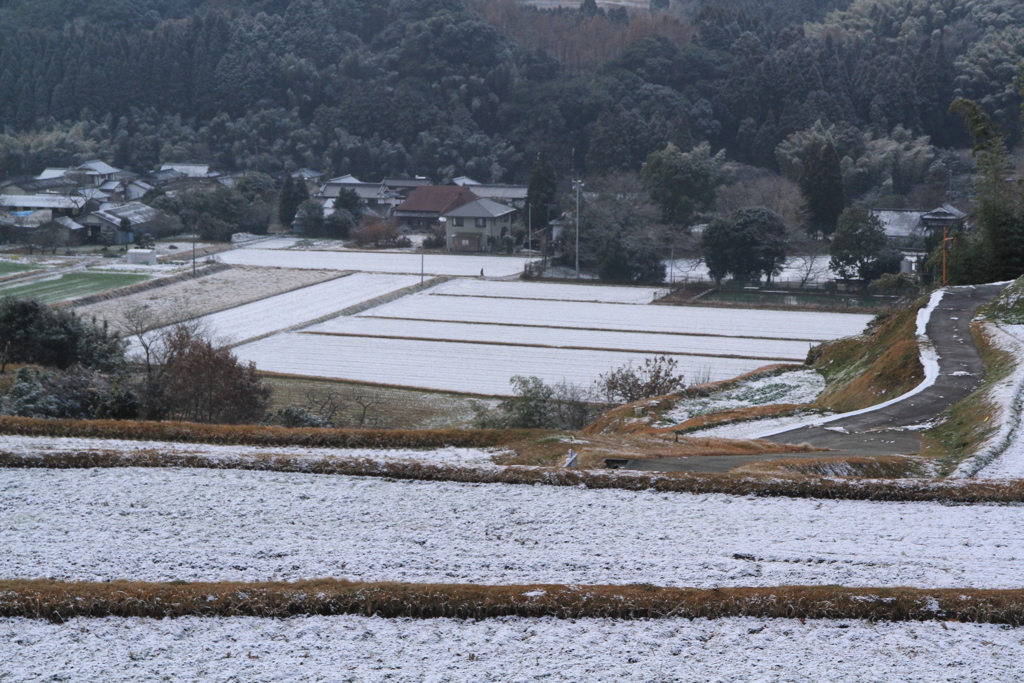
(43,445)
(300,306)
(370,649)
(469,368)
(165,524)
(729,322)
(650,342)
(473,336)
(1001,456)
(207,294)
(801,386)
(796,269)
(377,262)
(518,289)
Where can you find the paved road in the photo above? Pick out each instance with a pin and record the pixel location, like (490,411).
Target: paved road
(884,431)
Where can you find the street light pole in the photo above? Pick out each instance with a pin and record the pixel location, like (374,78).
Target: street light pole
(577,185)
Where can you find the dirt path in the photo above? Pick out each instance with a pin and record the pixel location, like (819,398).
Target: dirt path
(895,429)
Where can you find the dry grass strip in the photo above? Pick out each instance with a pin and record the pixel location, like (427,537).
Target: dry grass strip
(261,435)
(785,485)
(59,601)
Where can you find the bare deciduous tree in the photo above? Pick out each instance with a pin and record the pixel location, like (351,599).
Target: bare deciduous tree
(758,187)
(367,398)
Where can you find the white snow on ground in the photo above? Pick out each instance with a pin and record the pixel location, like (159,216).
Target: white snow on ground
(203,295)
(1001,456)
(795,269)
(798,387)
(300,306)
(729,322)
(519,289)
(483,369)
(371,649)
(929,360)
(769,349)
(377,262)
(274,243)
(46,444)
(752,429)
(163,524)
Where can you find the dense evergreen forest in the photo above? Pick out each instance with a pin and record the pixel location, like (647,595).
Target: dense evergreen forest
(443,88)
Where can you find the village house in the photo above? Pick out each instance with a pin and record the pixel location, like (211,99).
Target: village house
(909,228)
(478,225)
(428,203)
(137,217)
(513,195)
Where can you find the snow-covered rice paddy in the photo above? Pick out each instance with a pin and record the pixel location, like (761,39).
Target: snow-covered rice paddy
(300,306)
(473,336)
(378,262)
(358,648)
(212,525)
(730,322)
(518,289)
(768,349)
(44,445)
(469,368)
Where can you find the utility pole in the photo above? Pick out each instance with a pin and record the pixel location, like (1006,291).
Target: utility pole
(423,257)
(577,185)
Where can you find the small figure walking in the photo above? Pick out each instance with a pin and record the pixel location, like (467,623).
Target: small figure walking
(481,272)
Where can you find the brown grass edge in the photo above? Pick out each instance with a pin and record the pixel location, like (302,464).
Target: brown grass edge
(58,601)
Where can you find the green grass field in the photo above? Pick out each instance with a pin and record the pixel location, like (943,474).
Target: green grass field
(70,286)
(10,268)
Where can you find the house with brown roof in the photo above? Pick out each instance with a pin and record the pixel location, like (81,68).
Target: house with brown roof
(428,203)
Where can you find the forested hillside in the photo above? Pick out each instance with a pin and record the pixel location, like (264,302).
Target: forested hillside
(436,87)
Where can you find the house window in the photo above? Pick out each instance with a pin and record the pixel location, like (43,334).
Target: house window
(457,222)
(481,222)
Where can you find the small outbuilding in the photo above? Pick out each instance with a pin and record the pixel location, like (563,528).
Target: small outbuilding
(142,257)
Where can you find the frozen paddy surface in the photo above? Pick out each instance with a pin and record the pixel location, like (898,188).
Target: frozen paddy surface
(300,306)
(234,525)
(477,335)
(694,320)
(370,649)
(378,262)
(470,368)
(650,342)
(518,289)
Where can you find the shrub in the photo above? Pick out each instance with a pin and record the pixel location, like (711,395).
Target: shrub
(295,416)
(435,240)
(32,332)
(77,394)
(537,405)
(379,233)
(202,383)
(656,377)
(339,224)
